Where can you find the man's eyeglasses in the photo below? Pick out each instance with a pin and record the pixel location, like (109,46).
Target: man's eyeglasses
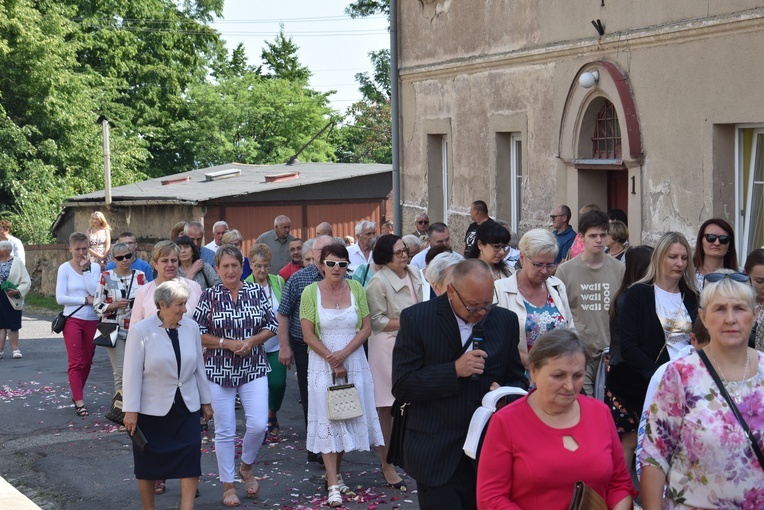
(711,238)
(342,263)
(120,258)
(553,216)
(541,265)
(261,267)
(717,277)
(423,222)
(477,309)
(404,252)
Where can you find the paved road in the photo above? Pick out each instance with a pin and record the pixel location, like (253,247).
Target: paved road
(61,461)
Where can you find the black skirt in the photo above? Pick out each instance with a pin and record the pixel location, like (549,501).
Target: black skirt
(10,318)
(174,444)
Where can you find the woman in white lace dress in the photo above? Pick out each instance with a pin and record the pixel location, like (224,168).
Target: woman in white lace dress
(335,323)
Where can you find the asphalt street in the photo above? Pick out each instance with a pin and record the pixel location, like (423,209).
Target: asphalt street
(61,461)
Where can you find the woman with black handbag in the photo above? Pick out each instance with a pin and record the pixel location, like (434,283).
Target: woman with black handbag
(698,442)
(76,284)
(335,323)
(114,299)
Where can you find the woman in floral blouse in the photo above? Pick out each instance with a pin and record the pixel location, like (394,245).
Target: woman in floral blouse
(538,298)
(694,446)
(236,319)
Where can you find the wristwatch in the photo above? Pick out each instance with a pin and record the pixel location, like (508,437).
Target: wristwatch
(221,342)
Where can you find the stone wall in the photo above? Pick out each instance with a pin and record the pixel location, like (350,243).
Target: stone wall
(43,261)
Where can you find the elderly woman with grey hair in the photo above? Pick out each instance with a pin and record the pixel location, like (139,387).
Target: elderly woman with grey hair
(538,298)
(438,272)
(165,394)
(15,282)
(413,244)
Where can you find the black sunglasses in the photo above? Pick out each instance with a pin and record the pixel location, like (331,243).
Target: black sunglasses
(342,263)
(717,277)
(120,258)
(711,238)
(423,222)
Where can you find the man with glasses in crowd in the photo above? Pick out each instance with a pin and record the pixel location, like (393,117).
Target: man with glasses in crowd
(563,232)
(591,281)
(137,263)
(360,252)
(442,371)
(295,252)
(421,223)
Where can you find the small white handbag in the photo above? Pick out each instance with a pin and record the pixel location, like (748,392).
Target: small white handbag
(342,401)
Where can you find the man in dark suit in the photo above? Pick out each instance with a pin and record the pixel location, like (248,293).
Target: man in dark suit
(433,367)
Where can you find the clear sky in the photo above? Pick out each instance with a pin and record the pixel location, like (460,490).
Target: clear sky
(332,45)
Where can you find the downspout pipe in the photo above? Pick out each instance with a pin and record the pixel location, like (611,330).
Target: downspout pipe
(394,107)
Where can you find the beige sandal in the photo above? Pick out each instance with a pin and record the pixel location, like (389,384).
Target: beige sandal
(250,484)
(230,498)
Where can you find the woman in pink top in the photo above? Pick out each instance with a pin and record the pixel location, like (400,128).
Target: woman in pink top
(538,447)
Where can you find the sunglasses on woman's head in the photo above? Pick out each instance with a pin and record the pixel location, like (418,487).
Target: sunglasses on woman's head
(342,263)
(120,258)
(717,277)
(711,238)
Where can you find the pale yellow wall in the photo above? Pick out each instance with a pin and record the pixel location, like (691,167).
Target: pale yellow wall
(692,81)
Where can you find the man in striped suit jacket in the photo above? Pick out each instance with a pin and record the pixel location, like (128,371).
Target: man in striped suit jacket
(433,367)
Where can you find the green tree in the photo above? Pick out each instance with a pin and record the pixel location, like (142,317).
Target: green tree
(365,8)
(280,56)
(250,118)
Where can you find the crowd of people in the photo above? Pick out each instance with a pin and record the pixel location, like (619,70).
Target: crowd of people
(617,346)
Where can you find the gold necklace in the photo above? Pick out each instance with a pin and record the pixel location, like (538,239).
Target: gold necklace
(736,396)
(334,296)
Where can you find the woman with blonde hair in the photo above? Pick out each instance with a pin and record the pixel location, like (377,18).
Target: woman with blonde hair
(99,238)
(658,313)
(234,238)
(617,240)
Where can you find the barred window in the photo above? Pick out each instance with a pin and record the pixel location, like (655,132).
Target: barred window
(606,142)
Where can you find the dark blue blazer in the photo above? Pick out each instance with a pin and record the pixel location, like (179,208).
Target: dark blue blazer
(440,403)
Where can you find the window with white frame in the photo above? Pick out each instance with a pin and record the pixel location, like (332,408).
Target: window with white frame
(509,178)
(437,177)
(750,188)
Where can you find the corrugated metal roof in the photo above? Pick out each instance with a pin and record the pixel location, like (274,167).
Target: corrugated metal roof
(193,187)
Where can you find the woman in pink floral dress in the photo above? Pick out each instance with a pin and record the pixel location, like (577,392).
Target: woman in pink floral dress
(694,447)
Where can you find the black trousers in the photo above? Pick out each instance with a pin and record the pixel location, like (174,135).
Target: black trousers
(456,494)
(300,353)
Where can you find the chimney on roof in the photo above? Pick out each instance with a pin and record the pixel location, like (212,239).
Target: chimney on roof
(286,176)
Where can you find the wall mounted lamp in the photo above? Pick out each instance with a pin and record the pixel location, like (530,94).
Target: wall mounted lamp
(588,79)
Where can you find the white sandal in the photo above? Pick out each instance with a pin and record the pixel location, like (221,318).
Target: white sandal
(344,489)
(17,354)
(335,498)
